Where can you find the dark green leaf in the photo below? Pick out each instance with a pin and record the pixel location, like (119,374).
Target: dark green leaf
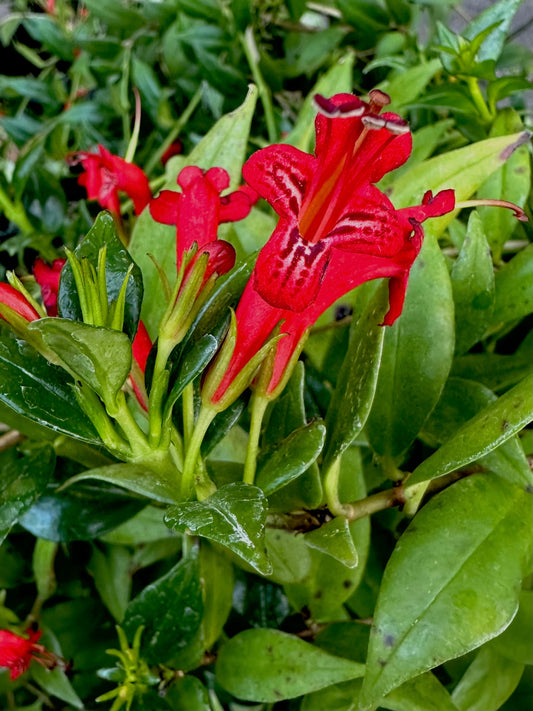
(233,516)
(118,261)
(216,573)
(490,428)
(39,391)
(268,665)
(171,611)
(514,297)
(188,693)
(24,479)
(191,365)
(432,608)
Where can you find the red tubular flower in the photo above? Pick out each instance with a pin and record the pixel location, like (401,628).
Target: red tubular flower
(18,302)
(48,279)
(17,652)
(197,212)
(336,230)
(106,174)
(141,347)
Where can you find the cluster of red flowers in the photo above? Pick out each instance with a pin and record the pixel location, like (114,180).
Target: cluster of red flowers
(336,229)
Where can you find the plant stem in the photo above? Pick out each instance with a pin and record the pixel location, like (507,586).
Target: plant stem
(258,406)
(205,417)
(252,57)
(478,99)
(331,486)
(188,413)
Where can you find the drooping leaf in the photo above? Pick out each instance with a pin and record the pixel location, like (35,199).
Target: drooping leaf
(417,356)
(432,608)
(118,261)
(23,480)
(40,392)
(334,539)
(268,665)
(234,516)
(473,287)
(490,428)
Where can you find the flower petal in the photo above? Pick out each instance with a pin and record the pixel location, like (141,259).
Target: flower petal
(280,174)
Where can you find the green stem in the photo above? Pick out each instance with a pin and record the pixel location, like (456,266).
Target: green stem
(127,423)
(479,101)
(187,400)
(205,417)
(259,405)
(252,57)
(14,211)
(174,133)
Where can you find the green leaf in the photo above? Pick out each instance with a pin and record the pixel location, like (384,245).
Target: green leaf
(432,608)
(462,400)
(225,146)
(268,665)
(171,611)
(498,15)
(112,571)
(191,365)
(473,287)
(55,681)
(464,170)
(487,430)
(510,182)
(515,642)
(335,539)
(100,357)
(114,14)
(135,478)
(216,573)
(417,356)
(357,380)
(24,479)
(488,682)
(234,516)
(117,263)
(407,86)
(514,298)
(33,388)
(188,693)
(291,458)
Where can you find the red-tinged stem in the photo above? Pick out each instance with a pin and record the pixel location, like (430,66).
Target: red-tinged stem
(518,212)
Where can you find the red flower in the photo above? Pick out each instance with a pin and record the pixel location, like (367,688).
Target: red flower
(48,279)
(197,212)
(18,302)
(106,174)
(17,652)
(141,347)
(336,229)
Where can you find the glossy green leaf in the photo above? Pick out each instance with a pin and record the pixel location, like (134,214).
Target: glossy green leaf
(357,380)
(188,693)
(335,539)
(225,146)
(432,608)
(515,642)
(487,430)
(268,665)
(510,182)
(100,357)
(473,287)
(462,400)
(81,516)
(291,458)
(118,261)
(495,371)
(417,356)
(488,682)
(234,516)
(171,611)
(40,392)
(463,169)
(24,479)
(135,478)
(216,573)
(514,297)
(190,366)
(290,557)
